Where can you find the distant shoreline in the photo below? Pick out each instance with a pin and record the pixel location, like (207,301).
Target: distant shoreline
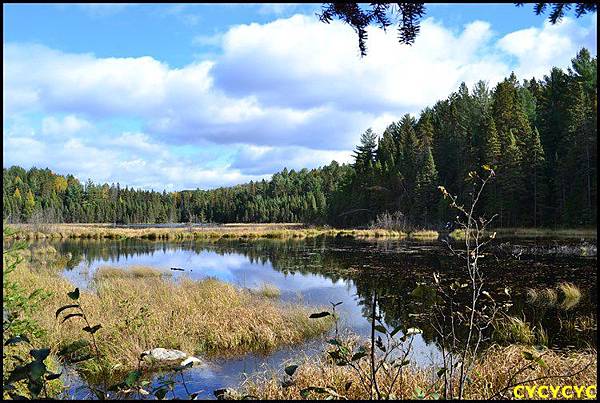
(250,231)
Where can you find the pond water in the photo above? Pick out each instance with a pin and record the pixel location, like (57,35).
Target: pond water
(318,271)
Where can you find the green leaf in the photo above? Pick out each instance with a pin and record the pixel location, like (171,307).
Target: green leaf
(319,315)
(74,295)
(72,347)
(52,376)
(380,328)
(92,329)
(441,371)
(291,369)
(62,308)
(16,340)
(18,373)
(71,315)
(132,378)
(80,359)
(161,393)
(37,369)
(41,354)
(358,355)
(396,330)
(528,355)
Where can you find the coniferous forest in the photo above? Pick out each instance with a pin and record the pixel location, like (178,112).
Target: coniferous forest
(539,135)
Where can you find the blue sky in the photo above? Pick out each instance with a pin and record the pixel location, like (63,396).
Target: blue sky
(185,96)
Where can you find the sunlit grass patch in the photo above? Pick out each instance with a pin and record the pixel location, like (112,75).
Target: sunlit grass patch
(106,272)
(513,330)
(267,290)
(424,234)
(197,317)
(492,373)
(571,295)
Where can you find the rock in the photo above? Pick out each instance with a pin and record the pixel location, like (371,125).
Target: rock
(163,354)
(195,362)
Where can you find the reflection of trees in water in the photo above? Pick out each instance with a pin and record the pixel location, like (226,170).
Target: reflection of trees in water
(392,268)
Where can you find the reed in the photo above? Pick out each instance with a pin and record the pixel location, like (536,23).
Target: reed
(494,370)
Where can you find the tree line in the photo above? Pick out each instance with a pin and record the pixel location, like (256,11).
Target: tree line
(539,136)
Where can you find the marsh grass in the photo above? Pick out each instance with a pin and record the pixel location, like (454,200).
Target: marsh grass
(267,290)
(492,372)
(571,295)
(424,235)
(513,330)
(198,317)
(549,297)
(248,231)
(106,272)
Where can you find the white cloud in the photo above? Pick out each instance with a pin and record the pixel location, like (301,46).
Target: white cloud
(69,125)
(536,49)
(293,92)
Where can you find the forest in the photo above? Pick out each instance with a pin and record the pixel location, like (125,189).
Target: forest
(539,135)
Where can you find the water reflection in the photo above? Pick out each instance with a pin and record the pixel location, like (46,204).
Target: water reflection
(322,270)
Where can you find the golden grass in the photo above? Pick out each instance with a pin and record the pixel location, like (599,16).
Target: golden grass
(237,231)
(514,330)
(590,233)
(106,272)
(538,232)
(490,374)
(267,290)
(571,295)
(198,317)
(424,234)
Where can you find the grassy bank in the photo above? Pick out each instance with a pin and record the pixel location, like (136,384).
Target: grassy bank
(491,373)
(98,231)
(589,233)
(140,310)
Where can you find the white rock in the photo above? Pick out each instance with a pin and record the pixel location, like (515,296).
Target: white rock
(195,362)
(163,354)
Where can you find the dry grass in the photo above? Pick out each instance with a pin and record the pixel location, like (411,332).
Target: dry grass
(267,290)
(231,231)
(491,373)
(106,272)
(571,295)
(547,232)
(548,297)
(514,330)
(198,317)
(424,234)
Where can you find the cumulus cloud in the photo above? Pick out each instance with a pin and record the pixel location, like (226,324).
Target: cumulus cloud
(552,45)
(66,126)
(292,92)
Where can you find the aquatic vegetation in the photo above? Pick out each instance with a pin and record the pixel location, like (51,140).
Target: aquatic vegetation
(548,297)
(571,295)
(198,317)
(267,290)
(424,234)
(249,231)
(105,272)
(494,370)
(513,330)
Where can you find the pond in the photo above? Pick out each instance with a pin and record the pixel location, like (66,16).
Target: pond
(320,271)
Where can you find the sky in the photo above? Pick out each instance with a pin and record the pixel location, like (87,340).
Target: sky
(184,96)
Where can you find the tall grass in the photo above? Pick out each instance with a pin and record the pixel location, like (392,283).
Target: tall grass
(197,317)
(249,231)
(106,272)
(494,370)
(571,295)
(548,297)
